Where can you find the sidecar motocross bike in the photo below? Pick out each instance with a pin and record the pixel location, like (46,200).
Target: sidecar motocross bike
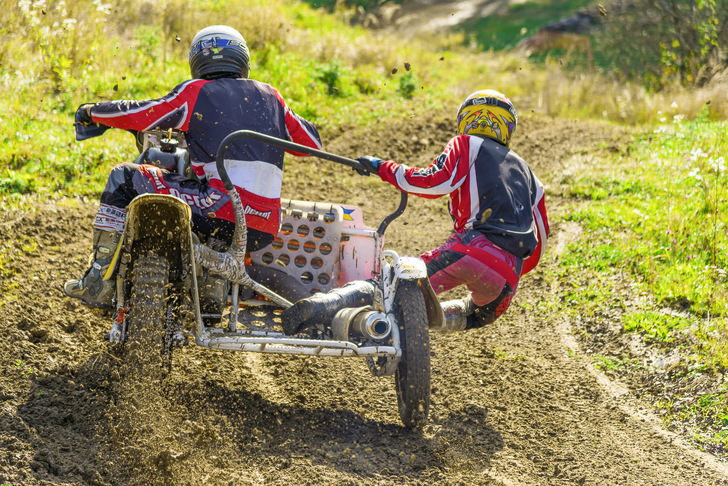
(161,265)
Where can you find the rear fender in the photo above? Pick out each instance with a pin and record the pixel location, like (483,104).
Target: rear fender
(157,217)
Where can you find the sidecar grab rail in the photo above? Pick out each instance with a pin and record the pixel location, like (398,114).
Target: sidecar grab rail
(287,144)
(297,147)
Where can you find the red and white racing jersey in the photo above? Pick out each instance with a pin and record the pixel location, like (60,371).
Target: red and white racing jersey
(491,189)
(209,110)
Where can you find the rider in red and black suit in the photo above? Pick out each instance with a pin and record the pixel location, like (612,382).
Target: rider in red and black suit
(499,217)
(220,100)
(497,205)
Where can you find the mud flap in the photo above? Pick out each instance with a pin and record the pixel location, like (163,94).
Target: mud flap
(435,316)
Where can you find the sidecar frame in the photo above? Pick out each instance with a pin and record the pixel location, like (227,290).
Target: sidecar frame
(390,267)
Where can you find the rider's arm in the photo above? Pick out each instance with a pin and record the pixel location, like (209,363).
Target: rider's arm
(299,129)
(445,175)
(170,111)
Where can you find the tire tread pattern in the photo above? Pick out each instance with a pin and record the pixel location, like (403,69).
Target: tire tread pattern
(412,377)
(147,354)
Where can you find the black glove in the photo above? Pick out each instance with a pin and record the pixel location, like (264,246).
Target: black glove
(83,114)
(370,165)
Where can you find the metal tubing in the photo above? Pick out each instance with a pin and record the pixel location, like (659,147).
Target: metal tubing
(282,345)
(396,214)
(286,144)
(232,325)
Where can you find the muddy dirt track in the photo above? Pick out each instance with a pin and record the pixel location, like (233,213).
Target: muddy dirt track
(513,404)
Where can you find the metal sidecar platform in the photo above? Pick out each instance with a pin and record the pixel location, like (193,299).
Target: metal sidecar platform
(322,246)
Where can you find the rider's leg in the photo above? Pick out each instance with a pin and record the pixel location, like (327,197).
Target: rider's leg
(456,313)
(91,288)
(321,307)
(489,273)
(487,314)
(462,314)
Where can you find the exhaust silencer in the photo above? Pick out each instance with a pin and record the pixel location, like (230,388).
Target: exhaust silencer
(360,322)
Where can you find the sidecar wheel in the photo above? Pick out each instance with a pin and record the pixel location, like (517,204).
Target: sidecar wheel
(148,355)
(412,378)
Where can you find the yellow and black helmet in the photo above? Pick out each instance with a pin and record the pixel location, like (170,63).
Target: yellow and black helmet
(488,113)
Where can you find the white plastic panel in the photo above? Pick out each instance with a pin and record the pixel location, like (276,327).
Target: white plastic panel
(360,247)
(323,245)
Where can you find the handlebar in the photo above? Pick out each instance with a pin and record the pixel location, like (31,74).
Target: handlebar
(287,144)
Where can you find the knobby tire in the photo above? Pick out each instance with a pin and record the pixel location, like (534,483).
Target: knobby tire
(412,377)
(148,354)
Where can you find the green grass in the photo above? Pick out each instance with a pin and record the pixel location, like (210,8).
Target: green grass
(44,87)
(707,413)
(654,253)
(329,72)
(657,326)
(662,214)
(505,28)
(331,4)
(609,363)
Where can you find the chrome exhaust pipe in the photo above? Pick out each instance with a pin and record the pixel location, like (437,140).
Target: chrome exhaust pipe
(360,322)
(373,325)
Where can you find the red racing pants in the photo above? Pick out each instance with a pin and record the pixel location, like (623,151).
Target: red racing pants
(490,273)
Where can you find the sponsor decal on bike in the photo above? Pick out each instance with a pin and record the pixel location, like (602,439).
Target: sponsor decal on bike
(195,199)
(255,212)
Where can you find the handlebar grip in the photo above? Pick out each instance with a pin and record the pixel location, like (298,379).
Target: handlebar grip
(84,132)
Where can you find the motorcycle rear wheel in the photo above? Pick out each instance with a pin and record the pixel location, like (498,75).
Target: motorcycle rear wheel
(149,355)
(412,377)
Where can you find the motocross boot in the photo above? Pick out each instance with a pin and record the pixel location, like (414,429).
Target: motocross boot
(456,314)
(92,289)
(321,307)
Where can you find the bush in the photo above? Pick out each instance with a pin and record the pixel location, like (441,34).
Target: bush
(665,42)
(331,75)
(408,85)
